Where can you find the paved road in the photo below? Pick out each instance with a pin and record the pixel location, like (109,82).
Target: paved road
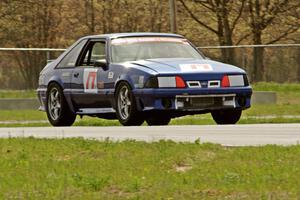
(229,135)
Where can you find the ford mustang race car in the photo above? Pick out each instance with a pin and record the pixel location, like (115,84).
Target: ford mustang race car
(137,77)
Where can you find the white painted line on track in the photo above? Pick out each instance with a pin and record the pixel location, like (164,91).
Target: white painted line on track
(228,135)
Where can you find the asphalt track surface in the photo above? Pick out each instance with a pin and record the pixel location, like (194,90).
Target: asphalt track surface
(227,135)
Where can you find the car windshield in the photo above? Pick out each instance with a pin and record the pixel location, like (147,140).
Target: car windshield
(132,49)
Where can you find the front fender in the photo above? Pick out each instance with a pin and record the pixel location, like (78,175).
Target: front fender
(126,78)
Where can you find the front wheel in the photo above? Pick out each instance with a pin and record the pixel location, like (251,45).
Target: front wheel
(226,116)
(126,108)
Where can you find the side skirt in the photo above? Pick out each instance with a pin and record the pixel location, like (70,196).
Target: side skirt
(105,113)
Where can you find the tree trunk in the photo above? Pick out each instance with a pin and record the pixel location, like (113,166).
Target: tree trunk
(225,35)
(228,54)
(258,59)
(258,64)
(298,63)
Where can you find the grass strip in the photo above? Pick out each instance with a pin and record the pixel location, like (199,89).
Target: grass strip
(87,169)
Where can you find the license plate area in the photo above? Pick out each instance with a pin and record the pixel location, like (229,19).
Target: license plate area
(200,102)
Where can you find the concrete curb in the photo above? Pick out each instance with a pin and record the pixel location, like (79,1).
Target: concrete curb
(264,97)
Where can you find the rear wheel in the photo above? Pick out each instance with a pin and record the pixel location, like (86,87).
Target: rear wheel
(126,108)
(226,116)
(158,120)
(57,109)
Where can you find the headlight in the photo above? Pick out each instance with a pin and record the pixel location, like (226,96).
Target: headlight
(234,81)
(165,82)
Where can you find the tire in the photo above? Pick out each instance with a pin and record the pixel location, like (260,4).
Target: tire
(126,108)
(58,111)
(226,116)
(158,121)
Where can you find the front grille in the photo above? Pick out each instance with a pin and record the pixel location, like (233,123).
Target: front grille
(200,102)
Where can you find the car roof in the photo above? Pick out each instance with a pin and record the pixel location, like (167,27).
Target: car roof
(137,34)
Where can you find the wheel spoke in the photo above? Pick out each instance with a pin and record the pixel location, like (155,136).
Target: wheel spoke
(52,97)
(124,103)
(126,93)
(52,102)
(126,111)
(56,95)
(54,105)
(56,112)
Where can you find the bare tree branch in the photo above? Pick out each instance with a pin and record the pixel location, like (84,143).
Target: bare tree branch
(286,33)
(196,19)
(238,16)
(206,4)
(243,38)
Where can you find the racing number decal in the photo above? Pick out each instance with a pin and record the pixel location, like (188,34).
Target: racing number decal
(90,83)
(90,80)
(196,67)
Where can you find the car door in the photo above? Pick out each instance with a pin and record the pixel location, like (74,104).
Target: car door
(87,78)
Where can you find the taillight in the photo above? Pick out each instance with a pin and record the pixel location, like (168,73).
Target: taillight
(225,81)
(179,82)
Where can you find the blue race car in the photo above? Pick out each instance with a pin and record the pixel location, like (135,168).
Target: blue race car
(137,77)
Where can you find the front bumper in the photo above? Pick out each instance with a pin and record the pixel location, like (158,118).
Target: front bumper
(202,100)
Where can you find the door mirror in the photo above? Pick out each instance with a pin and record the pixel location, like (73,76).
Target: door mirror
(100,63)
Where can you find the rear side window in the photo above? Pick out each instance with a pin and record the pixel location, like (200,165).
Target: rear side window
(70,59)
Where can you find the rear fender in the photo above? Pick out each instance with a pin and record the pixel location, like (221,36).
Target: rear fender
(57,80)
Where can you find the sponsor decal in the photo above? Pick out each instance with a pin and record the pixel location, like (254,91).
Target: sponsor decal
(66,74)
(110,75)
(90,80)
(120,41)
(196,67)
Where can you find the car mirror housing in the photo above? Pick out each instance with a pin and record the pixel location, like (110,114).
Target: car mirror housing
(100,63)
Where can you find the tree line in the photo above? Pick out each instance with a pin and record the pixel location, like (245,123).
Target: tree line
(58,23)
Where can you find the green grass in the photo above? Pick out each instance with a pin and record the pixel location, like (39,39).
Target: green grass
(83,169)
(287,93)
(20,115)
(18,94)
(277,87)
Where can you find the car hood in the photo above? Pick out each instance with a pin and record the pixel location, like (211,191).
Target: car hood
(171,66)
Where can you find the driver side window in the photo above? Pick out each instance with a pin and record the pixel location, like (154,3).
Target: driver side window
(94,52)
